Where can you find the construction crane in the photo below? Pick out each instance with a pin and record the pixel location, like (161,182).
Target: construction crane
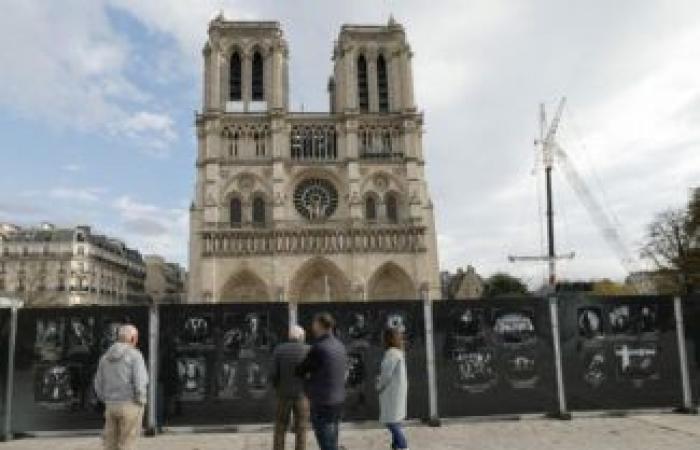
(552,152)
(548,145)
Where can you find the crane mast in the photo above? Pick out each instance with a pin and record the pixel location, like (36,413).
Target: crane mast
(547,146)
(552,152)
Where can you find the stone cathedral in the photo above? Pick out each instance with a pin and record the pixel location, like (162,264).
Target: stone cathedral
(310,206)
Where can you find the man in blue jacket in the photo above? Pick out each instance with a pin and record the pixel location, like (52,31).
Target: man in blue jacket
(121,382)
(324,371)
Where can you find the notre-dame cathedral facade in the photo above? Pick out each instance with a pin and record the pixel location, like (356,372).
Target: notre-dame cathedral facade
(306,206)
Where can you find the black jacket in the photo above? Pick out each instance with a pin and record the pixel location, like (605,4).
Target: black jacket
(286,360)
(324,370)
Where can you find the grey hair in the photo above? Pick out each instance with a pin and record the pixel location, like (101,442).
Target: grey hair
(126,332)
(296,333)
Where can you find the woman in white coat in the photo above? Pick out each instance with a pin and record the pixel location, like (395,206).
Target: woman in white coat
(392,385)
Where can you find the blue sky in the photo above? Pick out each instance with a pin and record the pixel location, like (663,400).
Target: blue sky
(97,100)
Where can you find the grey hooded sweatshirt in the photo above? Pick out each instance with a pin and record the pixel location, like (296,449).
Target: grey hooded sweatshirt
(122,376)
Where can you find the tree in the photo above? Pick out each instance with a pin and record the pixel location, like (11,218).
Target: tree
(669,246)
(609,287)
(504,285)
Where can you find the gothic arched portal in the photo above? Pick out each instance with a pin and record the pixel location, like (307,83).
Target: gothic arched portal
(244,286)
(318,280)
(391,282)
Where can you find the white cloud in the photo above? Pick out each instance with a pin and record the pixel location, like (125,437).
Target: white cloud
(65,65)
(152,228)
(78,194)
(72,167)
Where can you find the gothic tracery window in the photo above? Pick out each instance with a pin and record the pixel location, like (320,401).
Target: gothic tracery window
(235,212)
(392,207)
(258,210)
(362,84)
(370,208)
(315,199)
(235,89)
(257,78)
(382,84)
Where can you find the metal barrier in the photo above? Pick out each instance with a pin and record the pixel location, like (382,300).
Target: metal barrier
(209,362)
(494,357)
(691,317)
(57,352)
(620,353)
(214,362)
(6,315)
(360,327)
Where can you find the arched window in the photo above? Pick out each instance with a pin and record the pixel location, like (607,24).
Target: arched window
(235,212)
(258,211)
(257,84)
(392,208)
(362,84)
(235,90)
(382,84)
(370,209)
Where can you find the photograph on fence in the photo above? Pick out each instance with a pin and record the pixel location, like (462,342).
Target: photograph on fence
(215,362)
(57,353)
(619,353)
(360,326)
(5,320)
(691,319)
(493,357)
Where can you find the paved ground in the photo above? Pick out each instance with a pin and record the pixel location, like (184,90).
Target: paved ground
(652,432)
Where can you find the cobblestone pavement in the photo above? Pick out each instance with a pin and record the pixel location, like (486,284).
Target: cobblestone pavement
(652,432)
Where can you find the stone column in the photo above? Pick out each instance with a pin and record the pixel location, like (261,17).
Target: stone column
(395,101)
(350,78)
(372,81)
(246,78)
(407,82)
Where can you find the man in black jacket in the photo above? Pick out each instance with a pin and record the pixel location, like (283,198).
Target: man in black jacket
(324,371)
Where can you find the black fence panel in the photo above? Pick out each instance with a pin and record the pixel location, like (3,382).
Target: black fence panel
(691,319)
(57,353)
(360,327)
(5,319)
(494,357)
(215,361)
(619,352)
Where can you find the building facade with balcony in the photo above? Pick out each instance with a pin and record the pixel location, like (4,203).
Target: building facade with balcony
(46,266)
(301,206)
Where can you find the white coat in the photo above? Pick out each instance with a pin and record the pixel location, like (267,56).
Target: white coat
(392,385)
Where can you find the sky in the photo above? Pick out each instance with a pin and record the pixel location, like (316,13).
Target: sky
(97,103)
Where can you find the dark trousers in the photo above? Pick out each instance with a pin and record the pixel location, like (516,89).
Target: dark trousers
(398,439)
(286,408)
(325,421)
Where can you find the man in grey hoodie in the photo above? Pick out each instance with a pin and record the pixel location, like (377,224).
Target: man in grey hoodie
(121,382)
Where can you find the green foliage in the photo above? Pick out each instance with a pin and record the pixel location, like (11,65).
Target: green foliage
(504,285)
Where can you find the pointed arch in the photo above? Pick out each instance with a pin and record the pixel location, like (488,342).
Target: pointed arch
(391,201)
(391,282)
(257,77)
(235,211)
(235,77)
(317,280)
(371,207)
(245,286)
(259,213)
(362,84)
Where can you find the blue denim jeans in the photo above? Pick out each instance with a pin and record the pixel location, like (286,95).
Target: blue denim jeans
(325,422)
(398,439)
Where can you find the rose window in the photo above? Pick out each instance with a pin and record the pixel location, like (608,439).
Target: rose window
(316,199)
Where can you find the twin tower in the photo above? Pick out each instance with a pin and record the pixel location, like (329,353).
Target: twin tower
(310,206)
